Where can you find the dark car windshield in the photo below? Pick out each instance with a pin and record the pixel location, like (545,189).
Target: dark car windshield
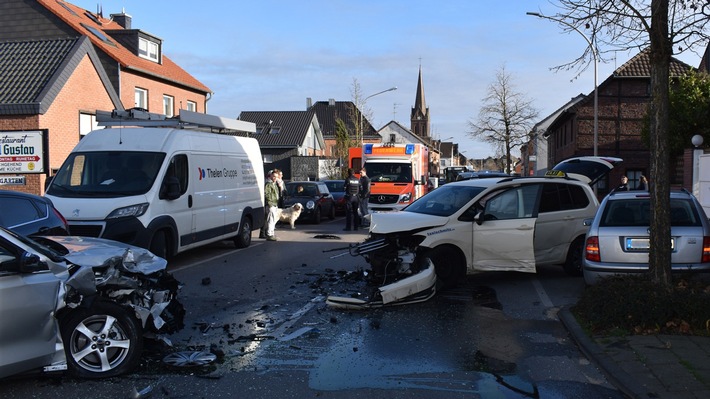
(445,200)
(389,172)
(336,186)
(301,189)
(106,174)
(637,212)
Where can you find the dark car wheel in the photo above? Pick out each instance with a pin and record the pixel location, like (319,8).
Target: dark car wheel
(243,239)
(573,264)
(317,215)
(102,341)
(331,215)
(450,269)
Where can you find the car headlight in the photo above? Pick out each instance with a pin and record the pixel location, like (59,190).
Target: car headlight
(310,205)
(133,210)
(405,197)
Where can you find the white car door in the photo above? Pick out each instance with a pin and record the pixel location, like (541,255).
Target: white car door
(504,233)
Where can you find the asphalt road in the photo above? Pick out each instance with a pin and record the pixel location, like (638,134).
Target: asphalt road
(262,311)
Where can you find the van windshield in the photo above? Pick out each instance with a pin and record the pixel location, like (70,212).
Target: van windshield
(106,174)
(389,172)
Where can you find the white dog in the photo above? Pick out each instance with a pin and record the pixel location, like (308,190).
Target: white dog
(290,214)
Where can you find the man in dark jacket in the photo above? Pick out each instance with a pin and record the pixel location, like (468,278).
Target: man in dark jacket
(352,201)
(364,196)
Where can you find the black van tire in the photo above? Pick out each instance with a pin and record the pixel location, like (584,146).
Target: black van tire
(159,244)
(573,263)
(243,238)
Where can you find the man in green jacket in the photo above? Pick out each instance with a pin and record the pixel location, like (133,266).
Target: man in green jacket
(271,197)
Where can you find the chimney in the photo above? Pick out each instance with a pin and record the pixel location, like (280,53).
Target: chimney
(331,102)
(309,103)
(122,19)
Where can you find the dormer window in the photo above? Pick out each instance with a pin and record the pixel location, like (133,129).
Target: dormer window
(148,49)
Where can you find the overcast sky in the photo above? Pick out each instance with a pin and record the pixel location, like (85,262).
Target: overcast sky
(270,55)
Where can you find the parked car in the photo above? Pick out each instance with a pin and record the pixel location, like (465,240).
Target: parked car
(337,189)
(317,201)
(30,214)
(80,304)
(618,238)
(496,224)
(480,175)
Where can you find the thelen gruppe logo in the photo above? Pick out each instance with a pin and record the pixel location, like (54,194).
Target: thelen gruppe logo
(201,173)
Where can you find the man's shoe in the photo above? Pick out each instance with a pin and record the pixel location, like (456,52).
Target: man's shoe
(271,238)
(262,235)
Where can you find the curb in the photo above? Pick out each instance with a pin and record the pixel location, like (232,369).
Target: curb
(615,374)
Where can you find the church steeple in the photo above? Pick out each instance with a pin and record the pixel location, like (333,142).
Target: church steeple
(420,112)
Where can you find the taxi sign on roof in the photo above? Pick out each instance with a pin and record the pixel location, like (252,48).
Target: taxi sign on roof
(555,173)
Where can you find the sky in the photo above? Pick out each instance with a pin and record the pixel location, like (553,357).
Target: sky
(270,55)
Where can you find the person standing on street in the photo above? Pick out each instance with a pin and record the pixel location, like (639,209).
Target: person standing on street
(271,200)
(282,186)
(624,186)
(352,192)
(364,197)
(643,183)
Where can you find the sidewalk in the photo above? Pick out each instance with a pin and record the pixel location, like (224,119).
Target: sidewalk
(648,366)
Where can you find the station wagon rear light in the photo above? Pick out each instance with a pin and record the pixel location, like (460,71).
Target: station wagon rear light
(706,250)
(591,250)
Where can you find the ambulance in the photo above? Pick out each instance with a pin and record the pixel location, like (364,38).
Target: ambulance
(398,174)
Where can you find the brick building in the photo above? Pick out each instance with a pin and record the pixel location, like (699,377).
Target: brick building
(623,100)
(60,63)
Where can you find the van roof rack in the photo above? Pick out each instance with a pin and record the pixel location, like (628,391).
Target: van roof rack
(186,119)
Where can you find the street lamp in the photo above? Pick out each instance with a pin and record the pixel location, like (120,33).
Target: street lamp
(697,141)
(596,62)
(362,133)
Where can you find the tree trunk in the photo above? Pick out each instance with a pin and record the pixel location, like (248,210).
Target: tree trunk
(660,252)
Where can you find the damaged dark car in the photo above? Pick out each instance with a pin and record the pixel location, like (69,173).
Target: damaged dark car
(81,305)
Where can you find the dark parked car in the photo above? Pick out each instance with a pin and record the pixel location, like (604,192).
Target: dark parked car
(30,214)
(315,198)
(337,188)
(480,175)
(618,239)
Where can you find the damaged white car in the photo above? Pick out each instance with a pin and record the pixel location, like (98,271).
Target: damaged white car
(490,224)
(80,304)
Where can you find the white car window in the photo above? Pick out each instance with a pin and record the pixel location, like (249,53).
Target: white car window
(515,203)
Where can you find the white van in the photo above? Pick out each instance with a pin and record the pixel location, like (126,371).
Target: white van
(163,183)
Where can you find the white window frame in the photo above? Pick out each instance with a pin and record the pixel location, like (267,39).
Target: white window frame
(148,49)
(168,105)
(191,106)
(87,123)
(140,98)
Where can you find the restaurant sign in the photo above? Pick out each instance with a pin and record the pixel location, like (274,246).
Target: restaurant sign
(22,151)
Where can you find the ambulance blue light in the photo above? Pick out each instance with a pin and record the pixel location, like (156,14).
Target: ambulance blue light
(409,149)
(368,149)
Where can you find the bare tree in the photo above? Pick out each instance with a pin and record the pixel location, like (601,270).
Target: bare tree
(359,114)
(663,26)
(506,117)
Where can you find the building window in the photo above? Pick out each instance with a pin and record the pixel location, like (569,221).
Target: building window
(141,98)
(147,49)
(87,123)
(168,102)
(192,106)
(98,34)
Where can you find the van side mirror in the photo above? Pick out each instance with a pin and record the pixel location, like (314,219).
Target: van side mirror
(30,263)
(170,188)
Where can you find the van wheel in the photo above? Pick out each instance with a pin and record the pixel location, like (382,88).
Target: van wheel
(243,238)
(159,245)
(449,267)
(102,341)
(573,264)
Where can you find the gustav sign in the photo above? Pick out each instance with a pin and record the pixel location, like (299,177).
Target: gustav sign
(22,152)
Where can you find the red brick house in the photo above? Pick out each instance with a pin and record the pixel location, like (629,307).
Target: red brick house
(60,63)
(623,99)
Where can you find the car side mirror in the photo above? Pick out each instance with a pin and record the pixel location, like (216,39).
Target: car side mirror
(587,222)
(30,263)
(479,218)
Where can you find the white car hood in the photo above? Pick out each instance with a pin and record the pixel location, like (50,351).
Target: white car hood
(392,222)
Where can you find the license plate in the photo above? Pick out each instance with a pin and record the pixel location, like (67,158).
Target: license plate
(642,244)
